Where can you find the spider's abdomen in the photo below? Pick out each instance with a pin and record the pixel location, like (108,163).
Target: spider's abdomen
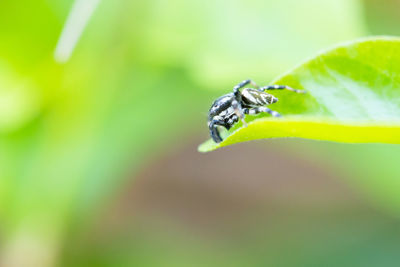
(253,97)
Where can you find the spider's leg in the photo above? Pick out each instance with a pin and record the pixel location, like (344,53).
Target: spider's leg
(214,133)
(237,107)
(231,121)
(281,87)
(243,84)
(257,110)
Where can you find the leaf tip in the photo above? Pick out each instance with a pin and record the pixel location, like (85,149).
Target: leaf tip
(207,146)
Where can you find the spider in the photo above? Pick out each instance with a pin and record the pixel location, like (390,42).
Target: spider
(229,108)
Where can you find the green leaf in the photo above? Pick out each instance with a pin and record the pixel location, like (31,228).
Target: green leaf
(353,97)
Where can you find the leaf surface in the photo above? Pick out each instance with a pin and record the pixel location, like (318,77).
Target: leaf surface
(353,97)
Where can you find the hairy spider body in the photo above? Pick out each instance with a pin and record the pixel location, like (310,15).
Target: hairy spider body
(229,108)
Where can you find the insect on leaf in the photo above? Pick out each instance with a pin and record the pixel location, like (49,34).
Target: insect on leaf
(353,96)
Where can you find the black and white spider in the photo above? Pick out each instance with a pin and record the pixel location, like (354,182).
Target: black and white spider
(229,108)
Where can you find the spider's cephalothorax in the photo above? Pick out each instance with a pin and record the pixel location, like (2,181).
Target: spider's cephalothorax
(229,108)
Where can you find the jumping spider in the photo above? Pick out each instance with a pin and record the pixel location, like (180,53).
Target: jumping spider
(229,108)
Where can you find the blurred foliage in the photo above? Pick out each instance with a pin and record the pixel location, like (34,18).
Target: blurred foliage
(382,16)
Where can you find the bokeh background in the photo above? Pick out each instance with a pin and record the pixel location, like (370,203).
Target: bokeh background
(103,104)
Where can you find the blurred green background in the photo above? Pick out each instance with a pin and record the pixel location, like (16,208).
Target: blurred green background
(103,104)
